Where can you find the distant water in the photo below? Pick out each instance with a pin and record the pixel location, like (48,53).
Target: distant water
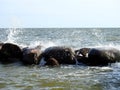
(17,77)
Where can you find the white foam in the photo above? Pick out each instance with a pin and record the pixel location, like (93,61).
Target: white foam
(42,62)
(110,45)
(43,45)
(106,68)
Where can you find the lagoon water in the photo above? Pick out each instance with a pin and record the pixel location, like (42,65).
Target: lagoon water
(66,77)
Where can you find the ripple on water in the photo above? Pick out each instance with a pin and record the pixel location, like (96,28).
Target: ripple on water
(59,78)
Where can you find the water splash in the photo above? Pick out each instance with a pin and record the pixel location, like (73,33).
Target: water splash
(76,39)
(43,44)
(12,35)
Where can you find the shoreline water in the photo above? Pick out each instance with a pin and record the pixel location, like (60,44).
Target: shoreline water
(64,77)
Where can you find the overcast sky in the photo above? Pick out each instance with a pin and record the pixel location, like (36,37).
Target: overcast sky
(59,13)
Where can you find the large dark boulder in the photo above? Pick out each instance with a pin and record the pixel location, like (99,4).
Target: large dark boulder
(10,53)
(30,55)
(103,56)
(82,55)
(58,55)
(98,56)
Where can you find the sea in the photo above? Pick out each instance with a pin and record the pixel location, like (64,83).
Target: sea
(66,77)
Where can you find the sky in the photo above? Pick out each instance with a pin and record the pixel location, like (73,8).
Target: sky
(59,13)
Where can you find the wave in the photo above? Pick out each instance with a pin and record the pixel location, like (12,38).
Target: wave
(76,38)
